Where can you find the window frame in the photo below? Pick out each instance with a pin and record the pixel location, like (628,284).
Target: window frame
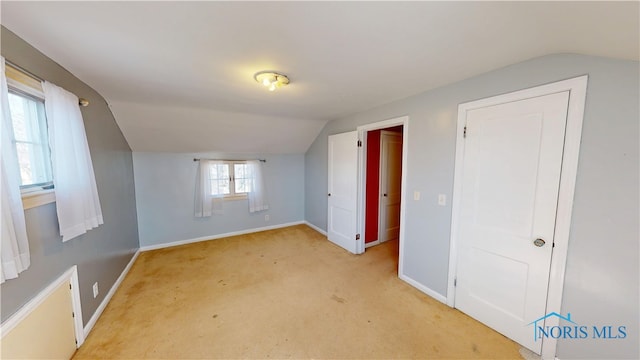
(233,195)
(48,185)
(23,84)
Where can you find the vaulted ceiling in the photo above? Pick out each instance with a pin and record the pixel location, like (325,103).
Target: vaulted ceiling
(179,75)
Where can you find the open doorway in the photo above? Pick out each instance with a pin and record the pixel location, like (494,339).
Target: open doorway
(383,180)
(346,200)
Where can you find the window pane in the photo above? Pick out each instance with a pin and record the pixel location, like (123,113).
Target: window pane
(30,139)
(219,175)
(239,170)
(219,187)
(242,173)
(32,164)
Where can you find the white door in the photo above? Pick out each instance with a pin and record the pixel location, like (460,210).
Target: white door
(343,190)
(390,185)
(510,182)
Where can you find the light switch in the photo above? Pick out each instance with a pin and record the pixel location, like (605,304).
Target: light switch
(442,199)
(416,195)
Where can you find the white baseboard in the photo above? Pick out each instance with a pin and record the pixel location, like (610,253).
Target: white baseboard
(70,275)
(315,228)
(218,236)
(423,288)
(107,298)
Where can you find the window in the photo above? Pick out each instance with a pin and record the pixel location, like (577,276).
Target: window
(232,179)
(30,140)
(29,134)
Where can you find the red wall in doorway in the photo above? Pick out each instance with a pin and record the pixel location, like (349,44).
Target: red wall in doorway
(372,187)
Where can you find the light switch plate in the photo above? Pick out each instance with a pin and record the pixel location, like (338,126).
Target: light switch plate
(442,199)
(416,195)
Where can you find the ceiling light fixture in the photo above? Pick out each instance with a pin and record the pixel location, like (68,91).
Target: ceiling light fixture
(271,79)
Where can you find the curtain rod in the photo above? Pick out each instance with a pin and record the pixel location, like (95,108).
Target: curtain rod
(81,101)
(261,160)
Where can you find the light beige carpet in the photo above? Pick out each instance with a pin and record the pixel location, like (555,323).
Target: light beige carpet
(286,293)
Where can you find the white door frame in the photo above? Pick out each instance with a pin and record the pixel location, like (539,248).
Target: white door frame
(362,178)
(575,113)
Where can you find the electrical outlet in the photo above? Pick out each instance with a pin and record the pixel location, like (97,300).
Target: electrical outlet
(95,290)
(442,199)
(267,218)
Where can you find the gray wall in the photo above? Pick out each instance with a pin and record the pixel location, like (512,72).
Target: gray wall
(102,253)
(601,285)
(165,193)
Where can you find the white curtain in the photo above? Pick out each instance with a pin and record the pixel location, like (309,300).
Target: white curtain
(205,202)
(14,246)
(77,202)
(258,194)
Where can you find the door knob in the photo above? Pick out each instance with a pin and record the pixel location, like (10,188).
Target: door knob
(385,195)
(539,242)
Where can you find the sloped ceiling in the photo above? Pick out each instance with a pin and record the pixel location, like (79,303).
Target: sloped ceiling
(179,75)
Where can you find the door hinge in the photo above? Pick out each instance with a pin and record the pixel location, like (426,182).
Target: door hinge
(455,281)
(464,133)
(359,143)
(73,314)
(69,286)
(357,236)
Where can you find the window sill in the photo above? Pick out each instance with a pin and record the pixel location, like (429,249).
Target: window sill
(38,198)
(235,197)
